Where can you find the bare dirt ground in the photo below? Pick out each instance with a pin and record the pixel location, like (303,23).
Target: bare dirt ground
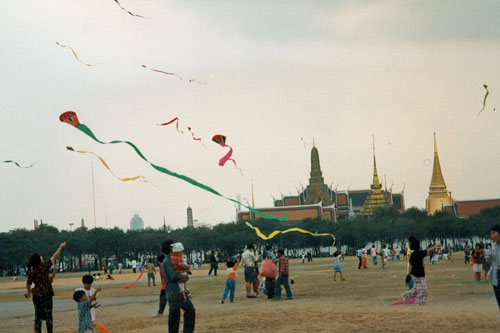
(361,303)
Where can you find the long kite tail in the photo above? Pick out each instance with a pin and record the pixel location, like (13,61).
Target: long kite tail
(484,99)
(71,118)
(18,165)
(276,232)
(126,179)
(131,285)
(176,120)
(118,3)
(74,53)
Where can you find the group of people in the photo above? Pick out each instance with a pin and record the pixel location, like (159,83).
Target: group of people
(384,253)
(274,270)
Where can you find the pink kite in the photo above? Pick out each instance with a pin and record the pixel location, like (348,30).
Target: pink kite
(131,285)
(221,139)
(176,120)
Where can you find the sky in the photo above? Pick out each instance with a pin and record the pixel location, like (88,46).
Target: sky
(279,76)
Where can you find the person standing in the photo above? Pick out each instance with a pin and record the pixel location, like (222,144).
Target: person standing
(336,266)
(282,276)
(38,273)
(151,273)
(134,266)
(359,253)
(163,296)
(303,257)
(383,255)
(477,259)
(120,267)
(174,296)
(213,264)
(486,261)
(494,272)
(248,260)
(230,280)
(466,255)
(373,253)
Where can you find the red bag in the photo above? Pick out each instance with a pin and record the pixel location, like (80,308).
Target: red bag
(268,268)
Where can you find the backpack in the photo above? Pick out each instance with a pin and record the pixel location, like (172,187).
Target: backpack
(268,269)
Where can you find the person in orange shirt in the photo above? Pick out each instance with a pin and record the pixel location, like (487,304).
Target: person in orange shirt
(177,261)
(364,260)
(230,280)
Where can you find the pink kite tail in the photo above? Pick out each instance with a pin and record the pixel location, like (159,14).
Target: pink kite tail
(171,121)
(226,157)
(131,285)
(158,71)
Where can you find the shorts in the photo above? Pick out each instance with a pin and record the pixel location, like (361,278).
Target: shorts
(337,269)
(477,268)
(249,274)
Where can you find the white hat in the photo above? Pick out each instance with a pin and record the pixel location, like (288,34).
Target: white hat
(177,247)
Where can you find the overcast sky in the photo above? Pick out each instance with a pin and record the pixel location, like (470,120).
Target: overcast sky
(278,74)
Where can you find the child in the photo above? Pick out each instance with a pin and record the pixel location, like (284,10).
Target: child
(230,280)
(418,273)
(364,260)
(180,267)
(336,266)
(84,306)
(87,281)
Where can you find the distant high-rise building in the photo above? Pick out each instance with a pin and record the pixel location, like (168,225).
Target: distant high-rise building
(83,223)
(35,224)
(190,217)
(136,223)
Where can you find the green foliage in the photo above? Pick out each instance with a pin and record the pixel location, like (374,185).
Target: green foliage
(387,225)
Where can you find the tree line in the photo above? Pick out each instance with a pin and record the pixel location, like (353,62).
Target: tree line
(98,246)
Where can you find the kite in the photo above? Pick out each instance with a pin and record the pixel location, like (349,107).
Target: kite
(176,120)
(276,232)
(71,118)
(163,72)
(408,302)
(221,140)
(131,285)
(127,10)
(484,100)
(74,53)
(192,134)
(9,161)
(105,165)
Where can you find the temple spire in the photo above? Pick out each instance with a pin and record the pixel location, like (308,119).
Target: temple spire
(376,197)
(438,194)
(317,191)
